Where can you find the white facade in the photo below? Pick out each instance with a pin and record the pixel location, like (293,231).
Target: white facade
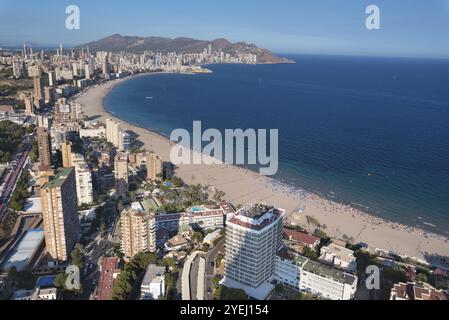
(124,142)
(153,283)
(45,294)
(313,277)
(252,241)
(113,132)
(84,189)
(339,256)
(157,287)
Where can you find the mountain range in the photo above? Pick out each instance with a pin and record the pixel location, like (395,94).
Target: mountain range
(117,43)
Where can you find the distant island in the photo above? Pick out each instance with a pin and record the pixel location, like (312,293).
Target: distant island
(133,44)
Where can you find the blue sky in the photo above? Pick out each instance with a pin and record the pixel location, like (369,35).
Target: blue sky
(408,27)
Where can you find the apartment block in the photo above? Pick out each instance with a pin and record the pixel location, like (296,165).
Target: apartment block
(121,174)
(59,211)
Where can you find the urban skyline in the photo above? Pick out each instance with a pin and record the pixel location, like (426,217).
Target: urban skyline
(326,27)
(95,204)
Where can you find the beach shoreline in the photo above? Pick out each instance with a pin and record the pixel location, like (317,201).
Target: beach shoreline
(342,221)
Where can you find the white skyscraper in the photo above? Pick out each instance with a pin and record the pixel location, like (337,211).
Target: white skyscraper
(253,237)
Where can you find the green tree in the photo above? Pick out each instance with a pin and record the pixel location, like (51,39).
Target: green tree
(219,196)
(198,236)
(421,277)
(310,253)
(77,256)
(228,294)
(125,281)
(60,280)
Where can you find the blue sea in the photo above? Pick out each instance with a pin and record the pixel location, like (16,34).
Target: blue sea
(371,132)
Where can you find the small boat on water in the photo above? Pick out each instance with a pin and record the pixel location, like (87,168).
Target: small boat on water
(149,98)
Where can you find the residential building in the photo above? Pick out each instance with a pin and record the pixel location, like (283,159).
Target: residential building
(42,121)
(339,256)
(125,142)
(121,174)
(253,237)
(113,132)
(44,144)
(138,233)
(29,106)
(66,150)
(93,131)
(153,283)
(84,189)
(299,240)
(59,212)
(313,277)
(49,94)
(108,274)
(38,88)
(154,167)
(413,291)
(45,294)
(176,243)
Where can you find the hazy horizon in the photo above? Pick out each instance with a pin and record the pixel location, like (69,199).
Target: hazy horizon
(321,27)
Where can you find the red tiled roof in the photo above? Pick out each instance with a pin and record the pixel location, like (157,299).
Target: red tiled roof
(44,168)
(411,291)
(301,237)
(108,269)
(429,294)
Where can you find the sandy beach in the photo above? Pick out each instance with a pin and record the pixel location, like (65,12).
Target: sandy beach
(243,186)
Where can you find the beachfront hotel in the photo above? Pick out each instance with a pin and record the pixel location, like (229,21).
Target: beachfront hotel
(59,211)
(253,237)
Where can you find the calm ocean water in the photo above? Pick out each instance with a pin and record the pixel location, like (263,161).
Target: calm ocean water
(371,132)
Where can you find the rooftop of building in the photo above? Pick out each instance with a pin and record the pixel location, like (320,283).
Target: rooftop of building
(152,272)
(33,205)
(412,291)
(301,237)
(48,291)
(328,272)
(255,211)
(256,217)
(22,253)
(342,252)
(177,240)
(293,256)
(58,179)
(109,268)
